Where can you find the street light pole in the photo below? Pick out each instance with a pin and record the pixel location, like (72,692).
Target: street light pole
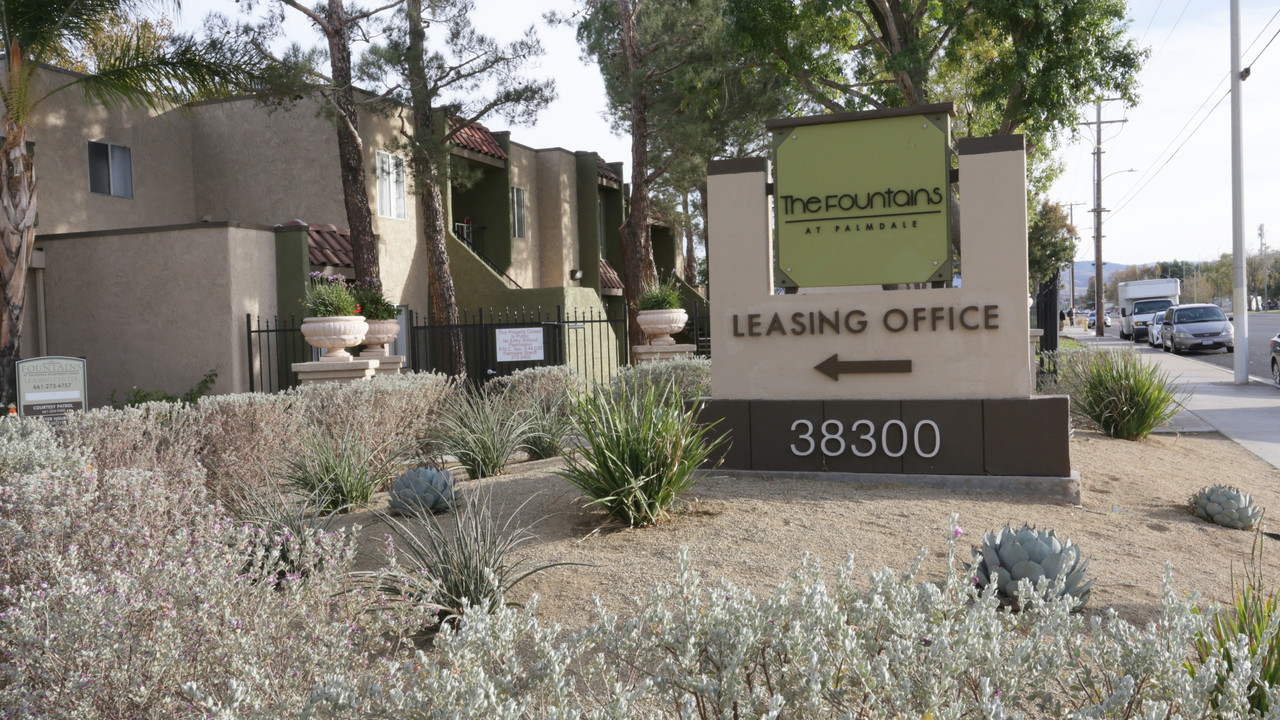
(1239,298)
(1071,207)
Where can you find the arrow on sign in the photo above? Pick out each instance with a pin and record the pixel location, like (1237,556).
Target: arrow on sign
(833,367)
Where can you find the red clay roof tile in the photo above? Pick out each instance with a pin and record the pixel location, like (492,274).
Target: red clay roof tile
(606,172)
(329,245)
(609,279)
(477,138)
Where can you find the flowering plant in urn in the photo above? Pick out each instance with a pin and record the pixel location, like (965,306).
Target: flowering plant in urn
(660,313)
(379,313)
(334,322)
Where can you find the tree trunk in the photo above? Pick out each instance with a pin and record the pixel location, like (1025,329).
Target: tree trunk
(17,233)
(690,255)
(355,192)
(426,167)
(637,250)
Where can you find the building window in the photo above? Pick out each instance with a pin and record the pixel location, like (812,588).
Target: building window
(390,186)
(517,212)
(110,170)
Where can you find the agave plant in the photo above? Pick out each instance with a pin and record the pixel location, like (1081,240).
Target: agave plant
(1226,506)
(423,489)
(1008,557)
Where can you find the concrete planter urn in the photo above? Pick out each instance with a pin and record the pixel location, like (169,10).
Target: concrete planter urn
(658,325)
(381,333)
(334,335)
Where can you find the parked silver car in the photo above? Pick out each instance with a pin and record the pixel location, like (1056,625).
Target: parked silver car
(1153,334)
(1196,327)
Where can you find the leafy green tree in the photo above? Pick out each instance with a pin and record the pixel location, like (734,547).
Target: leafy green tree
(1010,67)
(465,78)
(1051,242)
(128,71)
(676,88)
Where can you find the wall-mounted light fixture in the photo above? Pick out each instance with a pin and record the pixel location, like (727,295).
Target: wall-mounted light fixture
(575,274)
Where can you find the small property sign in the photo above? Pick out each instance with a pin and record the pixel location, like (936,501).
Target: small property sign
(519,344)
(51,387)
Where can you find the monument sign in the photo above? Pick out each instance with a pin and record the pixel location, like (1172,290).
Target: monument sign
(931,383)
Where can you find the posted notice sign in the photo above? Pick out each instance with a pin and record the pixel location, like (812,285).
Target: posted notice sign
(51,387)
(519,344)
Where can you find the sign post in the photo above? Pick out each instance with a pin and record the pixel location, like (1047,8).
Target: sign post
(51,387)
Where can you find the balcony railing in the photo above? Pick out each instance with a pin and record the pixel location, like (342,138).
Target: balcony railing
(472,236)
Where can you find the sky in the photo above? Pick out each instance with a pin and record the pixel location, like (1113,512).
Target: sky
(1176,204)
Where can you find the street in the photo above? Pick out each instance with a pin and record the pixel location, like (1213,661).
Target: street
(1262,327)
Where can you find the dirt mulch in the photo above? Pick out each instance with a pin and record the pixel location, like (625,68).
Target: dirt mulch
(1132,521)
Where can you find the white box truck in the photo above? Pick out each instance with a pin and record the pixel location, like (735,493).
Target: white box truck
(1140,300)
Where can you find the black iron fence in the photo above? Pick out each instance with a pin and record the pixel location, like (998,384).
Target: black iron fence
(274,346)
(495,343)
(698,330)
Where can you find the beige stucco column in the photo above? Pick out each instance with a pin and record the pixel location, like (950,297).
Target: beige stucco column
(966,342)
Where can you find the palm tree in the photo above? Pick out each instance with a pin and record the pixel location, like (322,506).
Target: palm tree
(129,72)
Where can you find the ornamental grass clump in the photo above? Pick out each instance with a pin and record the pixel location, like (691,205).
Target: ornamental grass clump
(640,451)
(546,392)
(1120,393)
(452,567)
(661,296)
(482,430)
(341,472)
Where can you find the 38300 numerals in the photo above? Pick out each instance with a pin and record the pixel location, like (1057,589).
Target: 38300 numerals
(894,438)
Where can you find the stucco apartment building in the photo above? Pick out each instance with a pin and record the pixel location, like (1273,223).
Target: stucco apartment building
(159,232)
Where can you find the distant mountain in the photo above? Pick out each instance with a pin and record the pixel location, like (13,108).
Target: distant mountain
(1084,271)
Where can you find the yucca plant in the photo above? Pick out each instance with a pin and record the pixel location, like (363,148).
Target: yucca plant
(1253,613)
(640,451)
(469,563)
(1123,395)
(482,430)
(341,472)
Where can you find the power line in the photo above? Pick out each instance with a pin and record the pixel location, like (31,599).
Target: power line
(1151,21)
(1264,47)
(1134,193)
(1175,27)
(1152,170)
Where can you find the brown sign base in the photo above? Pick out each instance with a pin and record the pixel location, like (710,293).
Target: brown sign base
(1006,438)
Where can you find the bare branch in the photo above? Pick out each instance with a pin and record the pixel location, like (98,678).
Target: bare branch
(315,18)
(368,13)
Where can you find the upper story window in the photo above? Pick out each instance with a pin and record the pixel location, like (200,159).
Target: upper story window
(390,185)
(518,228)
(110,169)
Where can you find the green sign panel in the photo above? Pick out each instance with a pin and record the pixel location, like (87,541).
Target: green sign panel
(863,201)
(51,387)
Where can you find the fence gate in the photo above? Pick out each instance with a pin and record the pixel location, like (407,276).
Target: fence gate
(497,343)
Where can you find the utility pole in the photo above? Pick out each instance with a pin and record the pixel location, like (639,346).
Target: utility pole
(1071,208)
(1240,294)
(1099,281)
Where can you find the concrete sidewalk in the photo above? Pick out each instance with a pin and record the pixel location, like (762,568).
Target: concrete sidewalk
(1248,414)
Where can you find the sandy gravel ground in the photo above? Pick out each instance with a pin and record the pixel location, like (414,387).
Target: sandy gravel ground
(1132,521)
